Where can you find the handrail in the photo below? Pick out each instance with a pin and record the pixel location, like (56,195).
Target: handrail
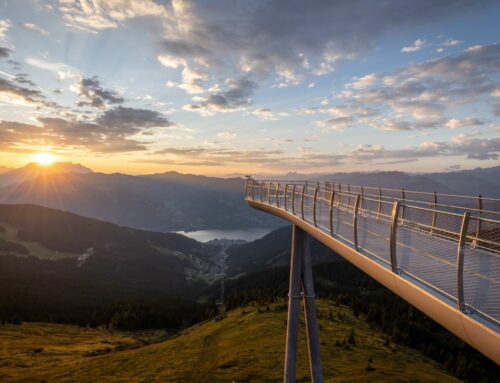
(433,197)
(386,189)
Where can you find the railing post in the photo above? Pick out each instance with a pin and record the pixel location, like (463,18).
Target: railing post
(302,201)
(286,192)
(269,194)
(277,197)
(362,198)
(261,183)
(355,222)
(253,190)
(460,262)
(392,239)
(434,213)
(332,199)
(379,208)
(403,207)
(315,203)
(339,200)
(348,196)
(480,209)
(293,199)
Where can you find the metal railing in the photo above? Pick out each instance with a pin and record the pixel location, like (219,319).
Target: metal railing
(449,243)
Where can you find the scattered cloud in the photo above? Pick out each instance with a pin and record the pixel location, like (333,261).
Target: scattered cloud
(452,42)
(363,82)
(415,47)
(336,124)
(268,114)
(95,15)
(15,94)
(91,90)
(35,28)
(237,96)
(4,27)
(456,123)
(4,52)
(61,70)
(419,96)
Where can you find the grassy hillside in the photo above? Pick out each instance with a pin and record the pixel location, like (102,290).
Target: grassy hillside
(248,345)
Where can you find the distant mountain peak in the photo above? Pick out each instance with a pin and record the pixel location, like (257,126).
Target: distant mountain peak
(34,170)
(58,167)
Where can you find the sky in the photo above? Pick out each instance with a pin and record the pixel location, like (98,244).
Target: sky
(245,87)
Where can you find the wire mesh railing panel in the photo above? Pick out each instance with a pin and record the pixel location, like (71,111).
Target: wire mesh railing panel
(373,237)
(323,213)
(448,225)
(419,218)
(297,199)
(484,233)
(343,224)
(308,205)
(272,194)
(428,258)
(481,281)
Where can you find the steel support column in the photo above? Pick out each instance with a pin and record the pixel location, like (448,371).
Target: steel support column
(301,274)
(310,314)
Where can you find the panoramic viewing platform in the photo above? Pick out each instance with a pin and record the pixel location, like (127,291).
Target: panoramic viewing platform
(439,252)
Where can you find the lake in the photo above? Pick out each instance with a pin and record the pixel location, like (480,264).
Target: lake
(250,234)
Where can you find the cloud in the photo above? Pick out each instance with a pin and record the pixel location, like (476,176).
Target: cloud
(4,52)
(264,38)
(131,120)
(215,156)
(363,82)
(112,131)
(22,78)
(16,94)
(237,96)
(456,123)
(415,47)
(61,70)
(35,28)
(268,114)
(337,124)
(4,27)
(478,149)
(419,96)
(94,94)
(95,15)
(452,42)
(311,158)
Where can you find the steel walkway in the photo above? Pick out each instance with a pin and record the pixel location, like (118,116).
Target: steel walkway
(439,252)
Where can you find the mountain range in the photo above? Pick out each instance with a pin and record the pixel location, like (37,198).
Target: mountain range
(173,202)
(159,202)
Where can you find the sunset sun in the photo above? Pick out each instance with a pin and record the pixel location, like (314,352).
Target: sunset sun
(44,159)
